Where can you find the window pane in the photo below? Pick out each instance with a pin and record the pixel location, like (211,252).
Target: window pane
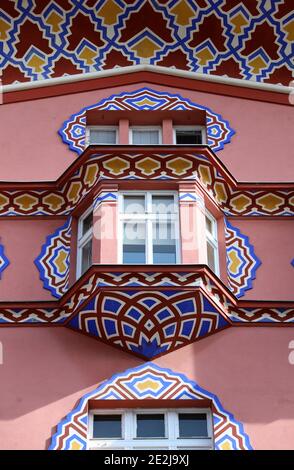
(102,136)
(87,223)
(211,256)
(134,204)
(163,204)
(86,256)
(107,426)
(209,225)
(150,425)
(164,243)
(188,137)
(134,243)
(145,137)
(193,425)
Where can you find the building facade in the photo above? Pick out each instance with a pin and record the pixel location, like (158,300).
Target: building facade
(146,226)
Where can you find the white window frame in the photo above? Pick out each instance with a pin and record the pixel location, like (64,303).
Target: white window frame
(101,128)
(145,128)
(213,239)
(149,217)
(172,441)
(82,240)
(190,128)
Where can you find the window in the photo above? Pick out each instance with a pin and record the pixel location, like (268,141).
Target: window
(101,135)
(149,228)
(211,243)
(184,135)
(150,429)
(84,252)
(145,136)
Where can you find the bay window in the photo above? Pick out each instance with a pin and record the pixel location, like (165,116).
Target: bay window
(149,228)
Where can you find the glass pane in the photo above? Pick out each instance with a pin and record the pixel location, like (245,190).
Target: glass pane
(150,425)
(107,426)
(164,243)
(86,256)
(163,204)
(209,225)
(87,223)
(193,425)
(134,243)
(102,136)
(145,137)
(211,256)
(134,204)
(188,137)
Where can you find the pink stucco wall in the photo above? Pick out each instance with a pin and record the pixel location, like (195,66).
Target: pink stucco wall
(273,245)
(247,368)
(22,241)
(262,138)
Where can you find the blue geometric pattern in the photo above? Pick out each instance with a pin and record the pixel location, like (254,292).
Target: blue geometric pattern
(4,261)
(242,261)
(215,37)
(149,381)
(73,131)
(53,261)
(149,323)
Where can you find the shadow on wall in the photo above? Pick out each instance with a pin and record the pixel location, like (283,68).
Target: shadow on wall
(47,370)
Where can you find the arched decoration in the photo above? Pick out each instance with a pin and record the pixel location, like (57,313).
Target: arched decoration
(145,382)
(53,261)
(4,261)
(242,262)
(73,130)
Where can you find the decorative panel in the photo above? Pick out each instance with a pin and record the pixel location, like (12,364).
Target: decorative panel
(248,40)
(53,261)
(149,382)
(242,262)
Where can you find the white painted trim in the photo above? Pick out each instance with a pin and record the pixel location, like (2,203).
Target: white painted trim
(129,439)
(82,240)
(213,240)
(190,128)
(148,68)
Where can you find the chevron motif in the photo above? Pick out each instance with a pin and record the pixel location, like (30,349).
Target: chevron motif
(145,382)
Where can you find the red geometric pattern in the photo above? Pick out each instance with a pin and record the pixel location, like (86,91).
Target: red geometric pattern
(232,198)
(249,40)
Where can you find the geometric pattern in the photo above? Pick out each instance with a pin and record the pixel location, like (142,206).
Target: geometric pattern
(53,261)
(4,261)
(149,381)
(242,262)
(94,167)
(73,131)
(249,40)
(198,279)
(149,323)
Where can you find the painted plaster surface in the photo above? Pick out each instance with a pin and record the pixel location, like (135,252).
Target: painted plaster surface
(38,122)
(239,365)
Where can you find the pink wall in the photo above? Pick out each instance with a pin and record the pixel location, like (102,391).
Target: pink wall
(247,368)
(263,130)
(22,241)
(273,245)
